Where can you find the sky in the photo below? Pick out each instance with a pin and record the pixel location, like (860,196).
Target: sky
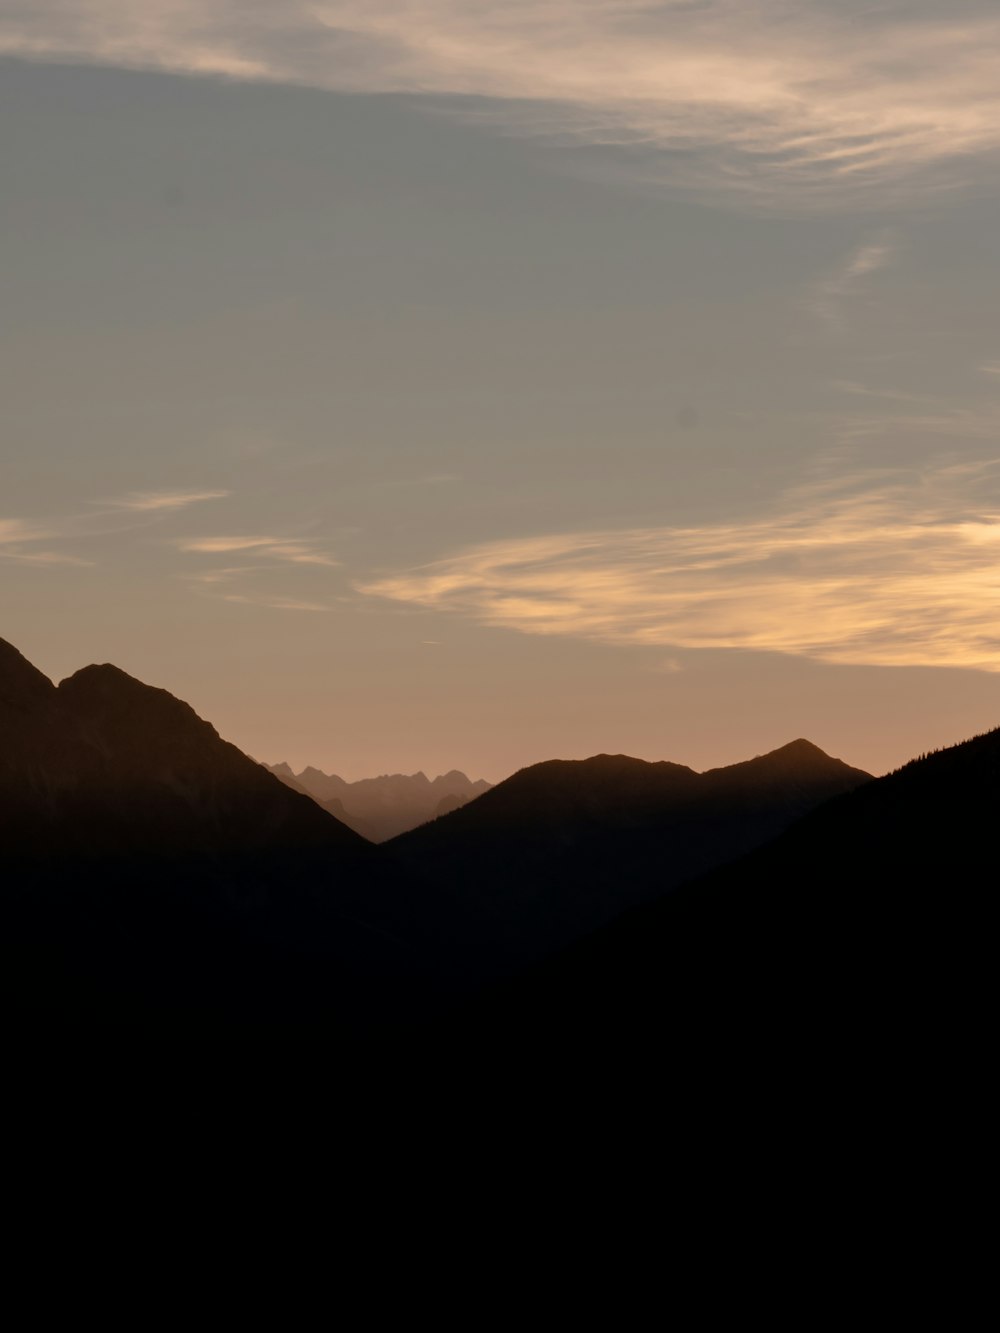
(431,384)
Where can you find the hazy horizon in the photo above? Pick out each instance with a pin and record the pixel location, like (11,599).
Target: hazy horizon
(438,386)
(711,745)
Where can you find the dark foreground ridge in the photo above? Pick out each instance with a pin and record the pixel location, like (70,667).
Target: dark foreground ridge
(856,942)
(157,879)
(564,847)
(790,910)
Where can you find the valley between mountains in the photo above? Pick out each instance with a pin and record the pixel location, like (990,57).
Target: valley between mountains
(157,881)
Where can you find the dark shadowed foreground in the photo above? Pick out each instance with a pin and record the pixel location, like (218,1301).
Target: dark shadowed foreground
(785,914)
(159,881)
(564,847)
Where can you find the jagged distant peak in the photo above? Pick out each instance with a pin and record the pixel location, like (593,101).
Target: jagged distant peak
(454,777)
(382,806)
(312,772)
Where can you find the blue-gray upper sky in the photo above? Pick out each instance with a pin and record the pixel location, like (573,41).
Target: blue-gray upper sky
(432,384)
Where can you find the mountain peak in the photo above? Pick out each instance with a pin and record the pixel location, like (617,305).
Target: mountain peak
(312,774)
(801,747)
(798,762)
(107,681)
(800,754)
(136,714)
(102,676)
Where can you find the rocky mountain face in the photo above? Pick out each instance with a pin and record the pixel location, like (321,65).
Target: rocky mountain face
(381,808)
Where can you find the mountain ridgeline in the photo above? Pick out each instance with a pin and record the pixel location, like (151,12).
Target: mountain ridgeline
(381,808)
(103,765)
(158,878)
(562,847)
(159,881)
(857,940)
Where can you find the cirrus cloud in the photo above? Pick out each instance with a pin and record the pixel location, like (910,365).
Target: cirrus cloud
(154,502)
(897,572)
(18,544)
(774,101)
(275,603)
(278,548)
(829,298)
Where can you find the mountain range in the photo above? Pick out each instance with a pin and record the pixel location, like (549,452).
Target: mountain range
(849,958)
(563,847)
(383,807)
(103,765)
(156,877)
(158,881)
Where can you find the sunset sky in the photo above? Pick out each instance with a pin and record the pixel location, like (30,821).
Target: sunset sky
(430,384)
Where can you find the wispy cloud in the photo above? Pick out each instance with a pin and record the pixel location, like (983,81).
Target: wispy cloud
(275,603)
(21,541)
(828,299)
(895,571)
(433,479)
(22,556)
(224,575)
(928,417)
(277,548)
(240,583)
(105,518)
(773,100)
(18,544)
(152,502)
(856,390)
(22,530)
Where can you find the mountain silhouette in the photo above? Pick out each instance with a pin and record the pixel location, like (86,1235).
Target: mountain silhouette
(848,952)
(107,765)
(284,774)
(563,847)
(787,912)
(381,808)
(170,778)
(36,755)
(155,874)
